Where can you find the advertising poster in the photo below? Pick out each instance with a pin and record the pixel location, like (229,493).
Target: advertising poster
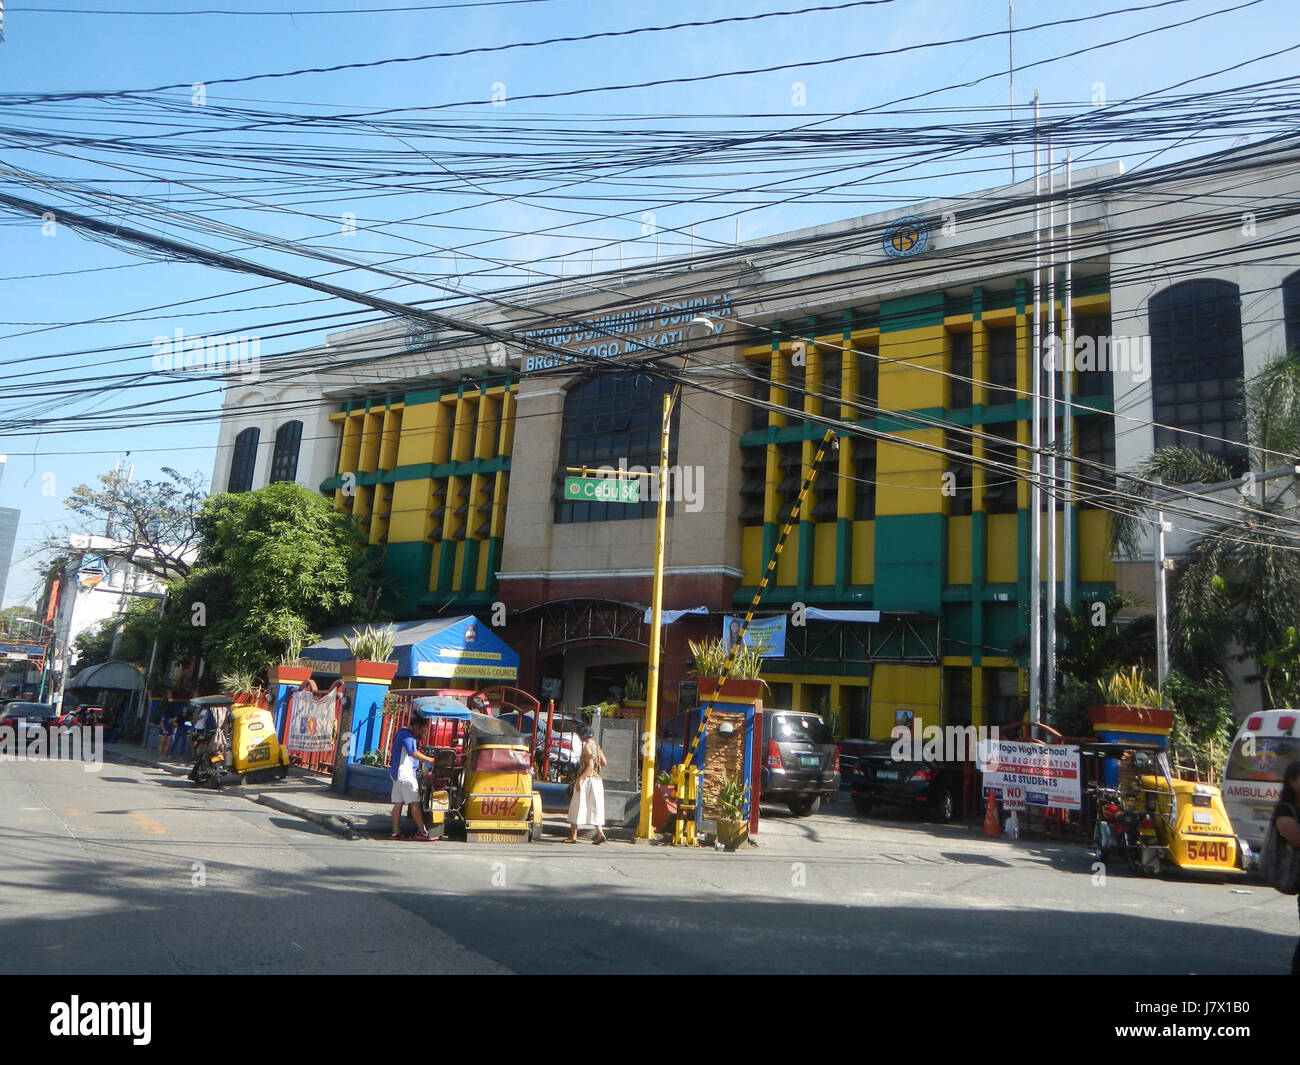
(1032,774)
(764,635)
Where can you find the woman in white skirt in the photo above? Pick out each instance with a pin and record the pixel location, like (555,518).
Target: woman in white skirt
(588,804)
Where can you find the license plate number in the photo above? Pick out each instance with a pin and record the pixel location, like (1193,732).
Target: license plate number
(809,761)
(1261,814)
(1208,850)
(887,774)
(1202,817)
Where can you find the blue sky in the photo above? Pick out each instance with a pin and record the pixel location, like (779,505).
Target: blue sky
(83,280)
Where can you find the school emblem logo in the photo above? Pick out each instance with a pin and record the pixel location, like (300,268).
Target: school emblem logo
(906,237)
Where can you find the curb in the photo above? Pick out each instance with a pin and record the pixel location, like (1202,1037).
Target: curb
(332,822)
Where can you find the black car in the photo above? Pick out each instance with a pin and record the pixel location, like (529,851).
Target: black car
(880,779)
(800,760)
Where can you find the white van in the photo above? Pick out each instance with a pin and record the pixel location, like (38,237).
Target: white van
(1252,780)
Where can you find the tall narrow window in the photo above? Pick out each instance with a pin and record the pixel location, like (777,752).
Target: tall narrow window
(243,461)
(609,419)
(1002,365)
(284,460)
(959,365)
(1196,367)
(1291,310)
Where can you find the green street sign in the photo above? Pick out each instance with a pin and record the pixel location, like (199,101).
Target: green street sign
(601,490)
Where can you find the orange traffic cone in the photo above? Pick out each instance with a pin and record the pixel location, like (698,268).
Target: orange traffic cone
(992,825)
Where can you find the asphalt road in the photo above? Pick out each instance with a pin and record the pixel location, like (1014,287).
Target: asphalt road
(132,870)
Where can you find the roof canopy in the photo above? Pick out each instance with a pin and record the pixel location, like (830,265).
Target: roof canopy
(118,676)
(444,648)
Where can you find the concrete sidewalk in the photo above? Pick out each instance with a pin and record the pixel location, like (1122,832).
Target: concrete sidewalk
(308,796)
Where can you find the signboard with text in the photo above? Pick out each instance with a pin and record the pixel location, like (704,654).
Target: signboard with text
(1032,774)
(640,329)
(601,490)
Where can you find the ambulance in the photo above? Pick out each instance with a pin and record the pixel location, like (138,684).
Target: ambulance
(1252,780)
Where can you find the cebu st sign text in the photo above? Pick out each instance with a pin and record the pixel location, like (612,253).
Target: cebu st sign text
(647,328)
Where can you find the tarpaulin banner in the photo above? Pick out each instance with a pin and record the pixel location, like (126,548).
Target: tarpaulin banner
(1032,774)
(311,722)
(764,635)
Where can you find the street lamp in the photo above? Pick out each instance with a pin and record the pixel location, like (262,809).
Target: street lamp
(699,328)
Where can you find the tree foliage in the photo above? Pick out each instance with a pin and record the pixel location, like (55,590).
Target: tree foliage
(153,521)
(274,567)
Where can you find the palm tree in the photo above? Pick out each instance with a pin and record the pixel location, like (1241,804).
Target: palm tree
(1240,581)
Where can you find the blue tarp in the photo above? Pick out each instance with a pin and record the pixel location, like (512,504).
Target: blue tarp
(450,649)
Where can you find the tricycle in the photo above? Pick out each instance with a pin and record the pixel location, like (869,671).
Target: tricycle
(1142,814)
(482,781)
(241,733)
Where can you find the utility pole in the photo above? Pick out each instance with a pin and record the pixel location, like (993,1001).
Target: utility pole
(650,732)
(1162,598)
(1011,87)
(698,328)
(1035,489)
(1051,492)
(1067,390)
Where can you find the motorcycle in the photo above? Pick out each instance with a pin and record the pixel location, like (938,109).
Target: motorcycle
(212,739)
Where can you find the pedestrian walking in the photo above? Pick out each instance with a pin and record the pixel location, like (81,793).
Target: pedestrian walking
(1286,820)
(587,806)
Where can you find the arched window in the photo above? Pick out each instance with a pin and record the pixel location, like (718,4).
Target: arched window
(1196,366)
(284,461)
(608,419)
(1291,310)
(243,461)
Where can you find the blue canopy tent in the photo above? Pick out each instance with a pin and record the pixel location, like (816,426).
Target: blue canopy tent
(444,649)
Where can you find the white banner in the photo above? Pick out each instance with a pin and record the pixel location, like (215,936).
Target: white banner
(1032,774)
(311,722)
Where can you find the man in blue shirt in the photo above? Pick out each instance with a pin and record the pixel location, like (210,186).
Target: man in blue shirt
(406,786)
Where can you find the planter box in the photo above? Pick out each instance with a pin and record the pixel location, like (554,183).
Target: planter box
(1131,719)
(736,689)
(291,675)
(370,779)
(376,672)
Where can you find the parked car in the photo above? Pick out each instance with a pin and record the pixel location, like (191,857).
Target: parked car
(881,779)
(800,760)
(36,717)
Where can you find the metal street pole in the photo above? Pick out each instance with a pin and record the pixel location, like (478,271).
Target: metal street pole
(644,828)
(1162,598)
(1035,489)
(1051,431)
(1067,391)
(148,676)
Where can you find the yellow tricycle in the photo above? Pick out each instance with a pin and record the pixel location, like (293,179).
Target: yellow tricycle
(1155,821)
(488,790)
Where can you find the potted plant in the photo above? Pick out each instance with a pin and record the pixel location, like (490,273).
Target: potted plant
(288,671)
(370,648)
(664,802)
(242,686)
(1129,701)
(633,692)
(733,822)
(710,660)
